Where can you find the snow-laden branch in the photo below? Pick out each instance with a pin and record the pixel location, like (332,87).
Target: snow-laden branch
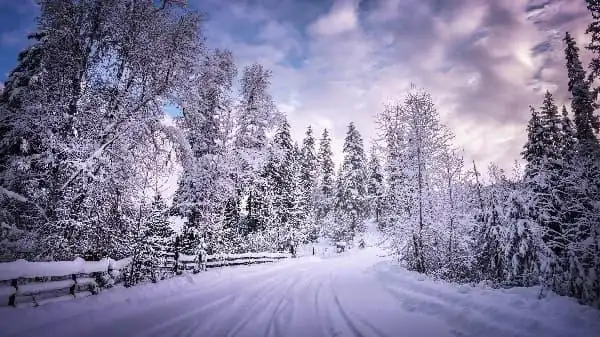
(24,199)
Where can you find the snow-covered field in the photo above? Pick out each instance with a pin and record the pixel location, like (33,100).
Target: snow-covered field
(358,293)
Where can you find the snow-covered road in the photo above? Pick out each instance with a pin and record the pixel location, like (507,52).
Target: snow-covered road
(357,294)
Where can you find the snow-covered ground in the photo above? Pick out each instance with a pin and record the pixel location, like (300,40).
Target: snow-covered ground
(358,293)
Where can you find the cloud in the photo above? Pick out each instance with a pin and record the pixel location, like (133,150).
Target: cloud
(484,62)
(342,17)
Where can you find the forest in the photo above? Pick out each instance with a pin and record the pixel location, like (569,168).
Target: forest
(84,146)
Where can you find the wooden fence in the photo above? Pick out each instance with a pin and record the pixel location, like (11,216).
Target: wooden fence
(24,283)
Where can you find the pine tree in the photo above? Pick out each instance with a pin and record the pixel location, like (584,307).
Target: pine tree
(582,103)
(490,260)
(375,186)
(154,240)
(594,30)
(351,202)
(326,186)
(21,142)
(545,168)
(583,250)
(522,242)
(281,176)
(309,175)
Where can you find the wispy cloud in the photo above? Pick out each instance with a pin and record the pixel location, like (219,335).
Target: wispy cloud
(483,61)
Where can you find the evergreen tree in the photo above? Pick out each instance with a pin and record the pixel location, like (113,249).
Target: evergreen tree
(281,172)
(309,175)
(490,260)
(583,251)
(594,31)
(375,188)
(22,142)
(522,242)
(326,186)
(351,201)
(154,240)
(582,103)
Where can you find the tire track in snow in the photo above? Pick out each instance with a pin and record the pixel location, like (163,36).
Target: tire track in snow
(158,330)
(317,292)
(259,300)
(351,317)
(334,305)
(279,313)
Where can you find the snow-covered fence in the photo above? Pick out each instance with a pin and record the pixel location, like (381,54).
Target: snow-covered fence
(220,260)
(190,262)
(24,283)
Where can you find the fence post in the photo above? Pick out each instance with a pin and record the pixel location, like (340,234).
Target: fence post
(176,255)
(13,297)
(74,286)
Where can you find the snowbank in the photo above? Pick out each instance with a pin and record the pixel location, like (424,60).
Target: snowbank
(26,269)
(120,264)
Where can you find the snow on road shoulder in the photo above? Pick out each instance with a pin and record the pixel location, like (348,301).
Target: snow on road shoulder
(480,310)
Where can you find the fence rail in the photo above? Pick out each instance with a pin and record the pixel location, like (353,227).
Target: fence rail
(24,283)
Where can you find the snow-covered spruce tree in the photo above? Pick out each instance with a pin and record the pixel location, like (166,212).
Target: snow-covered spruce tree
(84,136)
(523,244)
(296,230)
(309,175)
(394,176)
(205,185)
(594,46)
(528,204)
(583,254)
(18,144)
(256,116)
(153,239)
(375,187)
(582,103)
(489,233)
(351,199)
(281,174)
(326,183)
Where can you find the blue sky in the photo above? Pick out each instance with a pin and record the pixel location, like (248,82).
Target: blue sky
(337,61)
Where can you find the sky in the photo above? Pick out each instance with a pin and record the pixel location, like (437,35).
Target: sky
(337,61)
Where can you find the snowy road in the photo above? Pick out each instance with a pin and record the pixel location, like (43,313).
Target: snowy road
(359,294)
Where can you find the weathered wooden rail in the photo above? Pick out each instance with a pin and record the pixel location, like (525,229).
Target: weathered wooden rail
(24,283)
